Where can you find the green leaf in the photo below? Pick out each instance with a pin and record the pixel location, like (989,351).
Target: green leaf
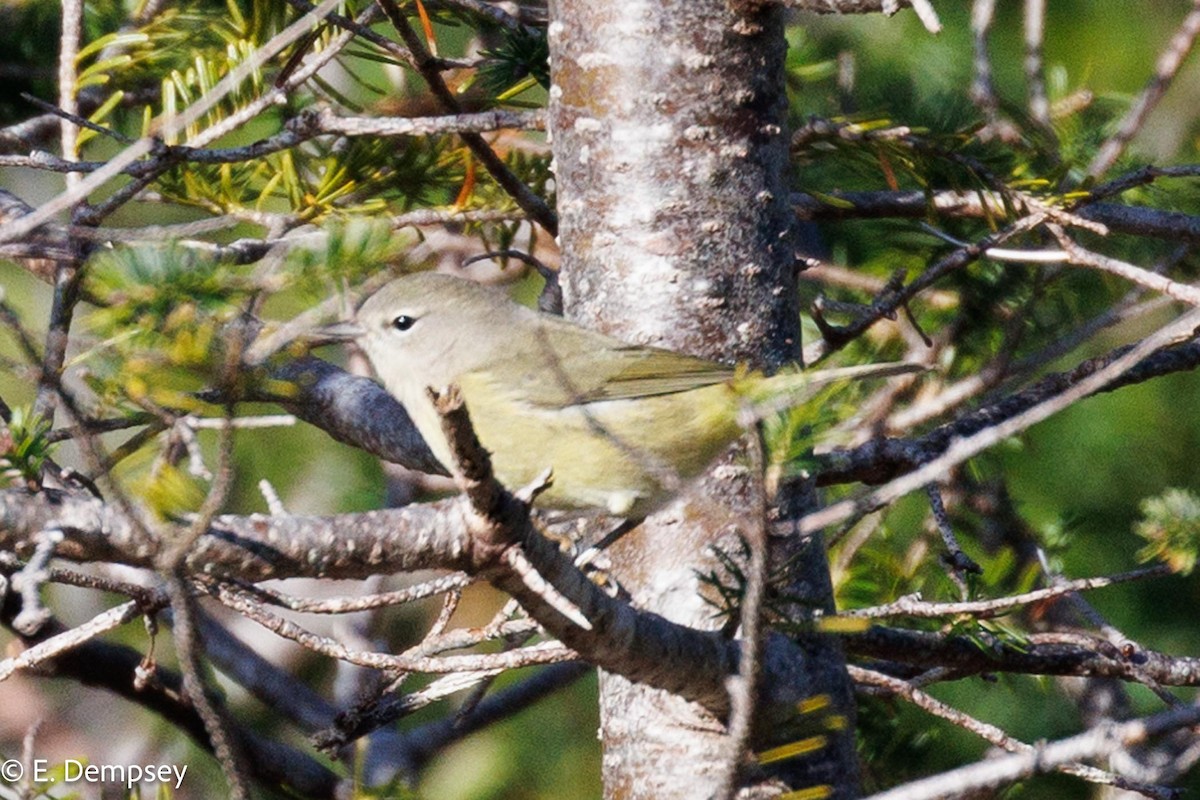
(100,114)
(352,250)
(523,54)
(830,200)
(120,40)
(24,447)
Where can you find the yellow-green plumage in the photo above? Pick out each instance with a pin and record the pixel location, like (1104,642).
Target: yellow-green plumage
(621,426)
(600,452)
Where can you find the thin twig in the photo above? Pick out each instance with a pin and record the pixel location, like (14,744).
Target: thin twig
(62,312)
(547,653)
(928,16)
(458,122)
(1035,78)
(425,741)
(176,550)
(1097,743)
(991,375)
(995,735)
(348,605)
(56,645)
(1080,256)
(169,128)
(744,686)
(963,449)
(983,91)
(1169,62)
(958,561)
(1141,177)
(913,606)
(72,33)
(361,27)
(891,300)
(29,582)
(300,129)
(216,725)
(533,205)
(489,11)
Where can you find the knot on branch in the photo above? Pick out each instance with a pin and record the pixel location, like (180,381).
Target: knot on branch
(309,122)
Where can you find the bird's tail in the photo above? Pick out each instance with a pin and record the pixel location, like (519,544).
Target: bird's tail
(792,388)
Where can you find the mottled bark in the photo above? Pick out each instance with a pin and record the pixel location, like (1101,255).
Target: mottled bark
(668,125)
(671,163)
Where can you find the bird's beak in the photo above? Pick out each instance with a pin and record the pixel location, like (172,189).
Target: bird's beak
(333,334)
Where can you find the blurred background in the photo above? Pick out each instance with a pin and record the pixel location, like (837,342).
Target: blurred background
(1078,480)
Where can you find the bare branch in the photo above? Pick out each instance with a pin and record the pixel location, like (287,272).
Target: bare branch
(960,450)
(641,646)
(881,459)
(497,119)
(1141,177)
(1035,78)
(1040,654)
(529,202)
(275,687)
(1133,220)
(71,638)
(211,710)
(1168,65)
(543,653)
(914,606)
(923,8)
(993,734)
(895,297)
(116,668)
(169,128)
(983,91)
(1142,277)
(491,12)
(72,32)
(361,28)
(302,128)
(252,548)
(994,773)
(425,741)
(350,605)
(745,687)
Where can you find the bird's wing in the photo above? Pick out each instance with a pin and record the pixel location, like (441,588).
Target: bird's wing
(571,365)
(643,372)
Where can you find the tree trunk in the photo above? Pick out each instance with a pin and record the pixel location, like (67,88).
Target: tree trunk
(671,160)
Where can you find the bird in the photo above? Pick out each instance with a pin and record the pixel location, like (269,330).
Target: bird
(621,426)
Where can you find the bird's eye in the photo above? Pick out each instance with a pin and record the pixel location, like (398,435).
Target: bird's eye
(403,322)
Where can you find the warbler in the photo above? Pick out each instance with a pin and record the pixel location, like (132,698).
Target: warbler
(621,426)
